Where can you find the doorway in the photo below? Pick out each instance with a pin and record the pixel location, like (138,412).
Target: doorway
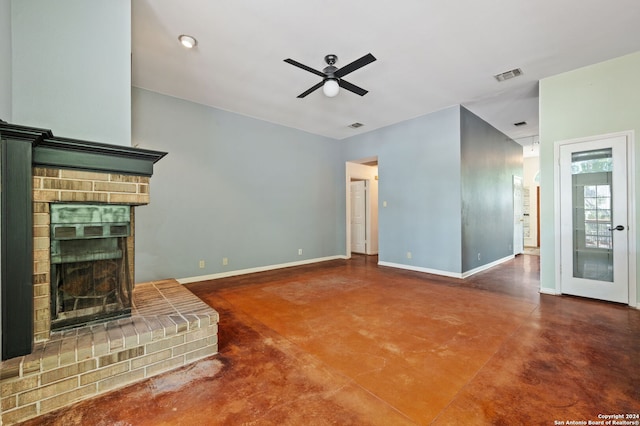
(518,216)
(362,206)
(595,197)
(359,201)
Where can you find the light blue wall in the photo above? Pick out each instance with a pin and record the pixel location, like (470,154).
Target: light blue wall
(235,187)
(419,170)
(5,60)
(489,161)
(256,192)
(71,67)
(595,100)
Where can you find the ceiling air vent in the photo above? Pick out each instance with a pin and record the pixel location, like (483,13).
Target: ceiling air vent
(509,74)
(520,123)
(356,125)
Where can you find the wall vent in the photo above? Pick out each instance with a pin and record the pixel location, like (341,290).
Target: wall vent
(508,74)
(355,125)
(520,123)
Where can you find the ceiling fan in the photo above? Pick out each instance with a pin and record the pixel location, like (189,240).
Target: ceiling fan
(332,76)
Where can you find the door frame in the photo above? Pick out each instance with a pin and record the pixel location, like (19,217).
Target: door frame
(520,180)
(631,207)
(371,229)
(538,216)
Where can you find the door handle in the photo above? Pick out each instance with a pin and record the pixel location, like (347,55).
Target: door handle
(617,228)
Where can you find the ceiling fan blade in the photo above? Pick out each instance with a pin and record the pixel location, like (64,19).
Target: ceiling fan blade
(358,63)
(306,92)
(304,67)
(352,88)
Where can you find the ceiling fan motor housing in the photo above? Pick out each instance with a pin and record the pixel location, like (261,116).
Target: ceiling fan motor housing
(329,71)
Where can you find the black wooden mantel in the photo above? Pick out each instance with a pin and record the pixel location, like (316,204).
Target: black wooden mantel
(23,148)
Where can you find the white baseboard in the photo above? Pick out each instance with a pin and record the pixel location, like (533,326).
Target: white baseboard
(459,275)
(487,266)
(554,292)
(421,269)
(257,269)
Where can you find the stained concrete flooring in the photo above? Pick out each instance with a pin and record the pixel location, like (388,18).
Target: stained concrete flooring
(352,343)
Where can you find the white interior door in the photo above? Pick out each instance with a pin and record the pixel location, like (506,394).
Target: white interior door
(594,219)
(518,217)
(358,217)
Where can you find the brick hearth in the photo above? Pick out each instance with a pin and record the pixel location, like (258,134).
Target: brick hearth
(169,328)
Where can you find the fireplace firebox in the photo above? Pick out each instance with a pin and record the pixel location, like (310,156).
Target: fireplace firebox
(90,276)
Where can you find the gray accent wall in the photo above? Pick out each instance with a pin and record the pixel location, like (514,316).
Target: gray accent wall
(71,67)
(489,160)
(233,186)
(419,178)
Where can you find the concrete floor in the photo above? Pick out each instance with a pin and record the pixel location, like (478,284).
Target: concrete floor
(351,343)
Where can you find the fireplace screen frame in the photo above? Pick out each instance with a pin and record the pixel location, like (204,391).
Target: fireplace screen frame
(91,281)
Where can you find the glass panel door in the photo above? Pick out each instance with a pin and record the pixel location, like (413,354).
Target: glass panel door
(593,219)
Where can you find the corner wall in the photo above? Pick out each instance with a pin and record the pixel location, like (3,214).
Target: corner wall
(489,160)
(5,93)
(594,100)
(71,67)
(5,60)
(419,179)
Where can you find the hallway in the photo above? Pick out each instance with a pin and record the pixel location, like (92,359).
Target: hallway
(352,343)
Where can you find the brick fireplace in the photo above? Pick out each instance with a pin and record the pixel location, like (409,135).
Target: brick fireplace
(74,187)
(49,359)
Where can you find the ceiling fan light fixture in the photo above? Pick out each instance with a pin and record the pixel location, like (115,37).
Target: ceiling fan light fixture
(188,41)
(332,77)
(330,87)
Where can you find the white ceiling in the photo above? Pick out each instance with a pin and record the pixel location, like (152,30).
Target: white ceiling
(430,55)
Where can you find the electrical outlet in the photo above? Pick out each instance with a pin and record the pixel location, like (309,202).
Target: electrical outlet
(299,252)
(409,255)
(478,256)
(225,260)
(201,264)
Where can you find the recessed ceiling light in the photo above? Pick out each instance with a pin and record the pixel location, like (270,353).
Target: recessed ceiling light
(188,41)
(355,125)
(508,74)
